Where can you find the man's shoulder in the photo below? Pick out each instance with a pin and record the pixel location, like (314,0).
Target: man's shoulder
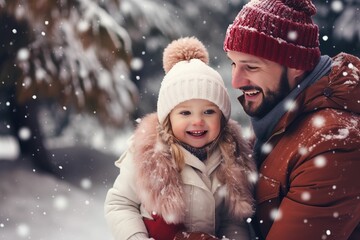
(329,125)
(344,55)
(328,118)
(345,60)
(340,88)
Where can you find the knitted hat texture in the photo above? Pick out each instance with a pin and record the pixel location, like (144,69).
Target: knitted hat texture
(188,76)
(281,31)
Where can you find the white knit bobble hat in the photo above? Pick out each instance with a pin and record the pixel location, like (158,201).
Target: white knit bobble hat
(188,76)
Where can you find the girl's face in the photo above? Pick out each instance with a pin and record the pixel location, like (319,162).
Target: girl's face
(196,122)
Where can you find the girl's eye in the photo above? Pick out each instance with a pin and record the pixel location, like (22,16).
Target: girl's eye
(210,111)
(185,113)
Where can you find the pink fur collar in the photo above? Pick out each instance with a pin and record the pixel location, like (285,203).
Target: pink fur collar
(159,183)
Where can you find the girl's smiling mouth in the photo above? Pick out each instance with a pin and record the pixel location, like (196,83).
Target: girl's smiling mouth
(197,133)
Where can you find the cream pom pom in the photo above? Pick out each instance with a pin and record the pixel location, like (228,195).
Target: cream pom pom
(184,49)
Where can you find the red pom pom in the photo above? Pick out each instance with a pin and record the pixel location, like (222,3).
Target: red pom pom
(184,49)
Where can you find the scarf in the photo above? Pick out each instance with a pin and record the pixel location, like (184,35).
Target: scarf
(200,153)
(263,127)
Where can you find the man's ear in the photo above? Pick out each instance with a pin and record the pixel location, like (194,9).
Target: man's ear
(295,76)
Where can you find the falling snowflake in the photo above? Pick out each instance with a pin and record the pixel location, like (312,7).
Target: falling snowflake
(60,203)
(305,196)
(24,133)
(266,148)
(83,26)
(337,6)
(320,161)
(318,121)
(86,183)
(23,230)
(247,133)
(290,105)
(23,54)
(292,35)
(253,177)
(303,150)
(275,214)
(136,64)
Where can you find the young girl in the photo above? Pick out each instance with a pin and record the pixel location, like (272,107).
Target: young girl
(187,168)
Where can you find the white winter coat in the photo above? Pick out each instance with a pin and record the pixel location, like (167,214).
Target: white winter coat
(149,182)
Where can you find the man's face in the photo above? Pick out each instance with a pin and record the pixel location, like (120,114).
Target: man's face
(264,83)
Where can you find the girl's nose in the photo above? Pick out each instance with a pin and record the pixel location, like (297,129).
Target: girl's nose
(198,120)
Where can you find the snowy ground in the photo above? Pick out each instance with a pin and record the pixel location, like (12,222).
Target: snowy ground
(70,206)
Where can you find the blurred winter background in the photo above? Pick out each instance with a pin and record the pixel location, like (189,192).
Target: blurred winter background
(74,77)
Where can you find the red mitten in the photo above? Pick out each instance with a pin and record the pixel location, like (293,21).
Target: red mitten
(160,230)
(194,236)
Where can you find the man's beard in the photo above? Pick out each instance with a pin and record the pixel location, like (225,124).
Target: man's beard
(270,100)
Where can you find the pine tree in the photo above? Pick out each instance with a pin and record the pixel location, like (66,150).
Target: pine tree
(71,52)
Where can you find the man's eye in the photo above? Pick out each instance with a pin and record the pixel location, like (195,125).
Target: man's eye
(209,111)
(251,68)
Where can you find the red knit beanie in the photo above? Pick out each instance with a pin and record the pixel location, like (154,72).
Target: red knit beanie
(281,31)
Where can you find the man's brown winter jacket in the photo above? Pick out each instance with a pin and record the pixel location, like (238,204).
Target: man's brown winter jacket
(309,184)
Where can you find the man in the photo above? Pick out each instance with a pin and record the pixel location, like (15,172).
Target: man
(304,110)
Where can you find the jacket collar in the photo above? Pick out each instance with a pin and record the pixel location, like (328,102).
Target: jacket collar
(263,127)
(160,185)
(207,166)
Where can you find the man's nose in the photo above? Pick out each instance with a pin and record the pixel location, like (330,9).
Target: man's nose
(239,78)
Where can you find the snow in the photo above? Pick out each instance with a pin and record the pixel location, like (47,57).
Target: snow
(318,121)
(342,134)
(23,54)
(290,105)
(8,148)
(39,206)
(266,148)
(276,214)
(305,196)
(320,161)
(36,205)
